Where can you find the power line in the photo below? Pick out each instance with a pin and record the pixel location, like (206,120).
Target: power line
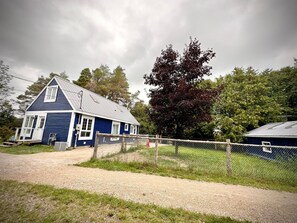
(21,78)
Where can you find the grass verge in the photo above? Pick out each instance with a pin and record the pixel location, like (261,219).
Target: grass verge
(25,149)
(23,202)
(208,165)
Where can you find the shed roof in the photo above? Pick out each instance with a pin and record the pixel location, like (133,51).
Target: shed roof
(275,130)
(94,104)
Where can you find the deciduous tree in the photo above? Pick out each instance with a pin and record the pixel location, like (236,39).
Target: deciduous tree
(141,112)
(176,102)
(283,83)
(244,104)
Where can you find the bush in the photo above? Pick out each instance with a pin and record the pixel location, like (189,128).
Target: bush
(5,133)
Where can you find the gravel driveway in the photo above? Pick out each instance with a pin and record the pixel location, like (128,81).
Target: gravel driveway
(238,202)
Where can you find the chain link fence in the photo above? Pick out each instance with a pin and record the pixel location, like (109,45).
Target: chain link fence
(206,158)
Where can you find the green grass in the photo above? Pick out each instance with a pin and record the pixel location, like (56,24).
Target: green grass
(23,202)
(26,149)
(209,165)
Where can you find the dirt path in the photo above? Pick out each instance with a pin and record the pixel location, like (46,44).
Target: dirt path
(238,202)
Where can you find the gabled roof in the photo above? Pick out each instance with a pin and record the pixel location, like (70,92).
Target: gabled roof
(275,130)
(94,104)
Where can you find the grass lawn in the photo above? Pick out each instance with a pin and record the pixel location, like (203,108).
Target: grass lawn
(209,165)
(25,149)
(23,202)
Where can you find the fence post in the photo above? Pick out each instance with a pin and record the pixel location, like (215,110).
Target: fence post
(176,148)
(123,143)
(156,151)
(137,140)
(228,156)
(96,145)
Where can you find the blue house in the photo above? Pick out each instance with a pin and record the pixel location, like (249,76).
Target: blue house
(73,115)
(274,134)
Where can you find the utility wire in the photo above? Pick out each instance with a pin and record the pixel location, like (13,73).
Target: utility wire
(21,78)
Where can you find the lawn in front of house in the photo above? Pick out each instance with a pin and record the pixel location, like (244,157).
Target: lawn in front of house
(208,165)
(24,202)
(26,149)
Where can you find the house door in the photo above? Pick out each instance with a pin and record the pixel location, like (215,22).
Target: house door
(39,128)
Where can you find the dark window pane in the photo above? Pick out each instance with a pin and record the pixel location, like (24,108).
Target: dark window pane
(84,124)
(90,124)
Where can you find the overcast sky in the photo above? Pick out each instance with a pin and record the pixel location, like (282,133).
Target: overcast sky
(38,37)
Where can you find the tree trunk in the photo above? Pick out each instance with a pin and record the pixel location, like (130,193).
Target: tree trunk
(178,135)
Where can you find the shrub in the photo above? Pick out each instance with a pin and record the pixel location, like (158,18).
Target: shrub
(5,133)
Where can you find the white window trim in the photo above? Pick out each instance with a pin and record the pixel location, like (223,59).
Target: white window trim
(47,92)
(39,121)
(132,129)
(126,127)
(91,131)
(266,147)
(30,128)
(119,129)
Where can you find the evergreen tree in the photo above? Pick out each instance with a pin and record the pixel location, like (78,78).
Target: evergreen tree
(84,78)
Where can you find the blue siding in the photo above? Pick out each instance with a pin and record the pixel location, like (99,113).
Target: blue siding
(273,141)
(54,82)
(57,123)
(102,125)
(123,129)
(277,153)
(61,102)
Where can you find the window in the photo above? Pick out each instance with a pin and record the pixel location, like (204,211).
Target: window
(132,129)
(41,122)
(126,127)
(266,147)
(51,94)
(87,127)
(28,125)
(115,130)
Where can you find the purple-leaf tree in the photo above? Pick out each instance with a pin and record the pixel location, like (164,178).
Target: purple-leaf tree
(177,103)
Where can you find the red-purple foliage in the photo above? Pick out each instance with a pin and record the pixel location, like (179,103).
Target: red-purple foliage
(176,101)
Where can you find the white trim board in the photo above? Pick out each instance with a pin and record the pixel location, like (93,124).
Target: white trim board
(71,129)
(54,111)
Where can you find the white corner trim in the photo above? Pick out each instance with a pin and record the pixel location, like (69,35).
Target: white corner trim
(70,130)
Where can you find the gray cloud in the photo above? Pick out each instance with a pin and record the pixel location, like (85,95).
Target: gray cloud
(39,37)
